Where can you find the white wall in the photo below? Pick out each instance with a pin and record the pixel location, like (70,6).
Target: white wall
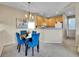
(7,36)
(8,17)
(77,25)
(1,45)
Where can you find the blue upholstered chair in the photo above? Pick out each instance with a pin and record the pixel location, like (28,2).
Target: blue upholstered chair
(23,32)
(20,41)
(33,32)
(33,43)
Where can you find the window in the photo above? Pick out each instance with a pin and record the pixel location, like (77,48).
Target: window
(72,23)
(31,25)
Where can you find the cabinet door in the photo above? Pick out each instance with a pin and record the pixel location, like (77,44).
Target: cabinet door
(52,22)
(39,20)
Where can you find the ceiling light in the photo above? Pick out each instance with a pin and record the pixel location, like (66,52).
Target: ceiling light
(57,12)
(26,15)
(70,13)
(29,14)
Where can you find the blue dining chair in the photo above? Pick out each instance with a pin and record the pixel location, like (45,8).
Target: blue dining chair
(33,43)
(33,32)
(20,42)
(23,32)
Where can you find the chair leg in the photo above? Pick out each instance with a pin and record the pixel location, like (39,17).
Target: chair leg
(38,48)
(32,51)
(26,50)
(19,47)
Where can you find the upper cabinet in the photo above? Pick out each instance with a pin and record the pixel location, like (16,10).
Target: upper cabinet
(48,22)
(59,19)
(39,20)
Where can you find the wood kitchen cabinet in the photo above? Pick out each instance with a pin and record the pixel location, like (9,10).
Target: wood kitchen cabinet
(39,21)
(49,22)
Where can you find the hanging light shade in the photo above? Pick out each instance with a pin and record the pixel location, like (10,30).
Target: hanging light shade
(26,15)
(29,15)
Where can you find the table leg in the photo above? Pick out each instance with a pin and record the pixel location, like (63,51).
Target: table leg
(26,50)
(38,47)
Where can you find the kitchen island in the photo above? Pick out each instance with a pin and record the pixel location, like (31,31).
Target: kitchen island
(50,35)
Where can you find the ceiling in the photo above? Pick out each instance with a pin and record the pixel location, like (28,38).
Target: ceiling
(69,11)
(46,9)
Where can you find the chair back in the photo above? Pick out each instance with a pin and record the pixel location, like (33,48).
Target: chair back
(35,40)
(23,32)
(33,32)
(18,38)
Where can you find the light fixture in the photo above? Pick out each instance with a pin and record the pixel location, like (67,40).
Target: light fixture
(70,13)
(29,15)
(26,15)
(57,12)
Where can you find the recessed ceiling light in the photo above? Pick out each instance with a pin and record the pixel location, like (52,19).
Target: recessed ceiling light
(57,12)
(70,13)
